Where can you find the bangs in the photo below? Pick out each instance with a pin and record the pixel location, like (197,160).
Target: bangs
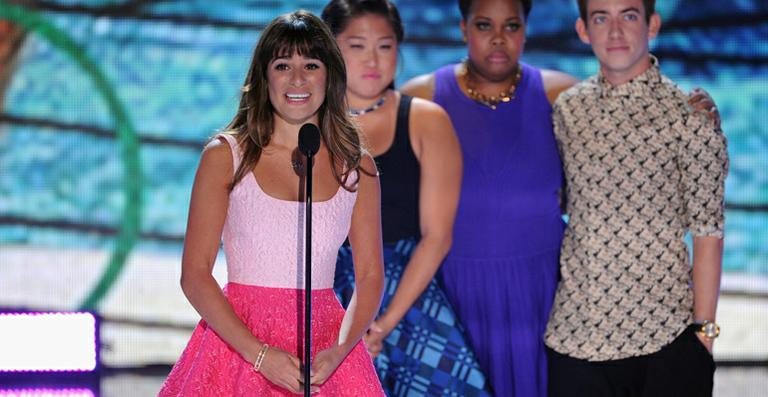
(298,39)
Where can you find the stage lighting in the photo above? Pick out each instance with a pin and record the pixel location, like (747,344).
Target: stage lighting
(47,393)
(53,341)
(49,354)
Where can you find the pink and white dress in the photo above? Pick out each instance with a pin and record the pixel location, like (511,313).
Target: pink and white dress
(264,247)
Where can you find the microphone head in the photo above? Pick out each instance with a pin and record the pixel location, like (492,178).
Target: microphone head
(309,139)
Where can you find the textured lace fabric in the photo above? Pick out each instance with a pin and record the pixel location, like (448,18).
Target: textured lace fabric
(264,236)
(210,367)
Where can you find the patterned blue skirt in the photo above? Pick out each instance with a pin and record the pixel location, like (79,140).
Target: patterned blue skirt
(427,354)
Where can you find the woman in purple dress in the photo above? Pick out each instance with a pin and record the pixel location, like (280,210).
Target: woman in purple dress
(501,271)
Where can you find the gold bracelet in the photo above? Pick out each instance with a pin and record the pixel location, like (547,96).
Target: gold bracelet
(260,357)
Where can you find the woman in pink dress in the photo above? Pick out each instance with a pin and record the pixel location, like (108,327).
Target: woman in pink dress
(248,193)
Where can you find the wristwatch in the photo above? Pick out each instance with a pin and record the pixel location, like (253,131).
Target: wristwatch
(709,329)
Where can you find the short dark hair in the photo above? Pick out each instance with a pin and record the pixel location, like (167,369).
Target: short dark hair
(464,6)
(338,13)
(649,5)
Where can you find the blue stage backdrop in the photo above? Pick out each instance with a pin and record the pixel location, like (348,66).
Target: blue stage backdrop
(105,107)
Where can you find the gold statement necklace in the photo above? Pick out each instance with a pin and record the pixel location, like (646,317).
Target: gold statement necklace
(492,101)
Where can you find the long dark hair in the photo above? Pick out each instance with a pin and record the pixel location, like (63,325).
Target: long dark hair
(338,13)
(304,34)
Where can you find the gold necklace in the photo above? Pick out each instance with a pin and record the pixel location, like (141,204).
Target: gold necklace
(492,101)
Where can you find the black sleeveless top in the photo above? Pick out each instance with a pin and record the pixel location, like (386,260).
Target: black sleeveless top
(399,179)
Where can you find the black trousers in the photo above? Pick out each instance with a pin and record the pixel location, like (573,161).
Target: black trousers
(681,369)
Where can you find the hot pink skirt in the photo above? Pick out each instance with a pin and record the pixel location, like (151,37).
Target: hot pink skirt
(208,366)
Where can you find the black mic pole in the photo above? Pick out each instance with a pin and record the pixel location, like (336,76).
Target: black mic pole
(309,143)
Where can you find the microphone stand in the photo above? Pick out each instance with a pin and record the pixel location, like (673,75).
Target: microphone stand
(309,144)
(308,277)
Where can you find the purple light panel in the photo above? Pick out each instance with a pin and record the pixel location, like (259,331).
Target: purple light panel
(47,342)
(47,393)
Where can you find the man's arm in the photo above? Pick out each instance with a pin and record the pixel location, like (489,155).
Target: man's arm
(707,267)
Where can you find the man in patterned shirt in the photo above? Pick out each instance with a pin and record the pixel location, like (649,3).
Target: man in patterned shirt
(631,316)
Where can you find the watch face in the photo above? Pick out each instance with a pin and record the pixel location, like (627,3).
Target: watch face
(711,330)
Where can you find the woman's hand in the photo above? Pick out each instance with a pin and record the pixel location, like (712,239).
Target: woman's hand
(374,338)
(282,369)
(701,101)
(324,363)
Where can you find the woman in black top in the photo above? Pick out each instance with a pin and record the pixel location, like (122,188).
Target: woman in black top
(416,337)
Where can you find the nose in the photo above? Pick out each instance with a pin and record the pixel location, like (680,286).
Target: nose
(298,77)
(498,37)
(615,29)
(371,58)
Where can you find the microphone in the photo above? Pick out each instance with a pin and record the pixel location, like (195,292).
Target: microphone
(309,139)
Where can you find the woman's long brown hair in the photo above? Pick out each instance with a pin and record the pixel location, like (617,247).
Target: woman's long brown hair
(304,34)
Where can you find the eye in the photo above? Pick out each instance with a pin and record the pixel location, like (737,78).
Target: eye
(513,27)
(386,46)
(312,66)
(631,17)
(483,26)
(356,46)
(280,66)
(598,20)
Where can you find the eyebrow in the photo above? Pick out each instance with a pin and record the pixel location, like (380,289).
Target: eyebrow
(391,36)
(510,19)
(288,57)
(624,11)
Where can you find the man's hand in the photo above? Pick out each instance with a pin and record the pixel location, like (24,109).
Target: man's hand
(707,342)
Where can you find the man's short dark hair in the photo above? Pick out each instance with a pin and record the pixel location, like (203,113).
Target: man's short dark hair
(649,5)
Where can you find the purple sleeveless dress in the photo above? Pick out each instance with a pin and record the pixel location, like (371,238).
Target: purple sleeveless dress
(501,272)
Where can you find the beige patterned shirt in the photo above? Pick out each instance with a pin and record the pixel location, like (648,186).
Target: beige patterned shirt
(641,170)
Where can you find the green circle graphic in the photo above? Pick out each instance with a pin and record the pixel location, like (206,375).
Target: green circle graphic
(130,223)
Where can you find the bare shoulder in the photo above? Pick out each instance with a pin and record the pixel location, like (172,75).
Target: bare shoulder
(427,114)
(217,154)
(430,129)
(421,106)
(422,86)
(368,164)
(367,174)
(555,82)
(217,147)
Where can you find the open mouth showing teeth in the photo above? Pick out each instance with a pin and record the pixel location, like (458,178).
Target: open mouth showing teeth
(297,97)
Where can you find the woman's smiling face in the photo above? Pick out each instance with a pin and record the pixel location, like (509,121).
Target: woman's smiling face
(296,87)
